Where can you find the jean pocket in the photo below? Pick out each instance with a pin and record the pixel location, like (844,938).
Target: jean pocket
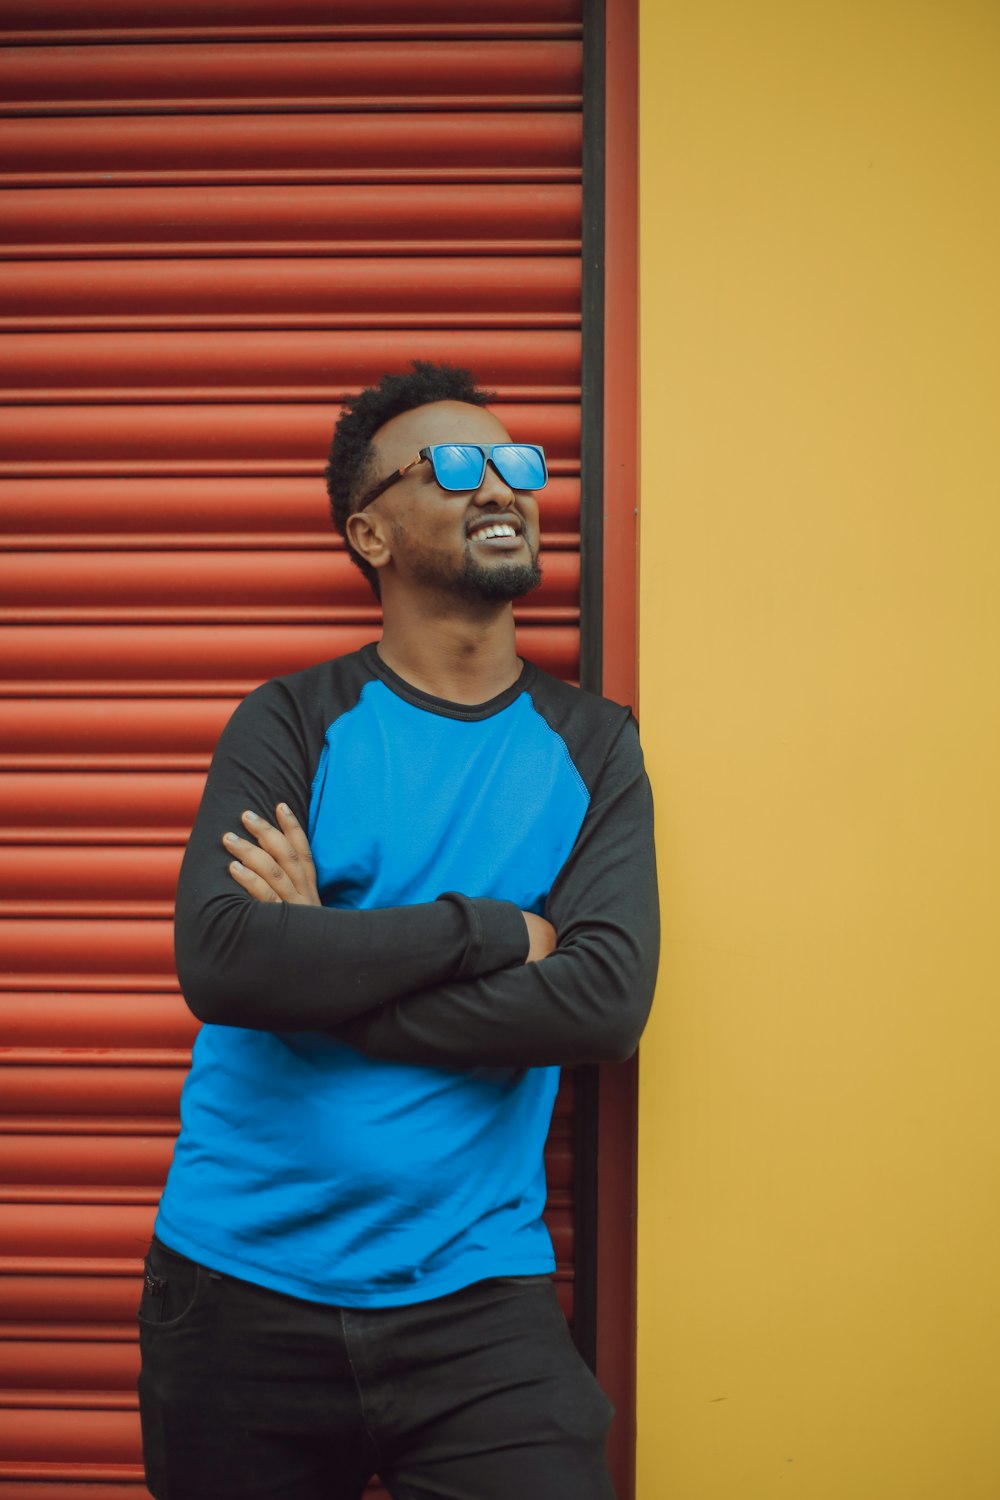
(170,1286)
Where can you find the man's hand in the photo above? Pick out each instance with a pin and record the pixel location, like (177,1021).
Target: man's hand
(279,867)
(541,937)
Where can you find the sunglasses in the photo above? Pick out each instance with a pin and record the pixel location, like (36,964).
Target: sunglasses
(462,466)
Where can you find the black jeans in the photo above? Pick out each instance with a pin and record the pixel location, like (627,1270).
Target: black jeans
(247,1393)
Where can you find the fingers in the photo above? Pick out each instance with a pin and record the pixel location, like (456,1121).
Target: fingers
(279,866)
(254,885)
(257,870)
(294,833)
(288,846)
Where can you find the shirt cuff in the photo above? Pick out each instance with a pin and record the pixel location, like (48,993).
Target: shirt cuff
(497,934)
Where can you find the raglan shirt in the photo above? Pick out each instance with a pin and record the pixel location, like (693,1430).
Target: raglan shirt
(370,1094)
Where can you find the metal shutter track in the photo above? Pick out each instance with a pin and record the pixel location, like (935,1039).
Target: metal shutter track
(216,227)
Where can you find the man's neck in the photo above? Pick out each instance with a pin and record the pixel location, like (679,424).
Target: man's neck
(454,657)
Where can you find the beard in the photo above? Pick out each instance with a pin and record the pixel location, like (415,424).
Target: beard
(501,583)
(498,583)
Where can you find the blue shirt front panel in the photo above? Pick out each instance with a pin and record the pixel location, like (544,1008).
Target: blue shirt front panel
(408,803)
(308,1167)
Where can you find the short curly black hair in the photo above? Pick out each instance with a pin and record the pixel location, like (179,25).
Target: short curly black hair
(348,469)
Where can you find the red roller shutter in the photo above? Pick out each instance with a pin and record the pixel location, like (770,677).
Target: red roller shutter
(221,216)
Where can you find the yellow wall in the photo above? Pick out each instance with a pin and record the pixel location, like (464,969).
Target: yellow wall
(819,1194)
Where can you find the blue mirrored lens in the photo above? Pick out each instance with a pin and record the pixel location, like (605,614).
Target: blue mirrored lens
(461,466)
(520,465)
(458,466)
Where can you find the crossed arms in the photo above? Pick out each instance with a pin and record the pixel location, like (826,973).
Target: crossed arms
(279,867)
(452,982)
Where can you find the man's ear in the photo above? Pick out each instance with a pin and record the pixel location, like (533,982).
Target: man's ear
(368,535)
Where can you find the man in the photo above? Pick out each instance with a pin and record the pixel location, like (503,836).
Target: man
(443,890)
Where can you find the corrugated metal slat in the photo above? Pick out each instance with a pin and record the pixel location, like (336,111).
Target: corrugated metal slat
(150,1022)
(529,146)
(435,219)
(195,586)
(126,732)
(398,293)
(285,365)
(102,20)
(229,438)
(154,513)
(291,75)
(203,660)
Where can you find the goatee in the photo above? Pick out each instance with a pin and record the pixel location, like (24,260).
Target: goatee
(502,581)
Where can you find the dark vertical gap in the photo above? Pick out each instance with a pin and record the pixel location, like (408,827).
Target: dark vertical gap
(591,614)
(592,359)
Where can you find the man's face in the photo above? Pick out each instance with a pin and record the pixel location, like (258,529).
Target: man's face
(442,538)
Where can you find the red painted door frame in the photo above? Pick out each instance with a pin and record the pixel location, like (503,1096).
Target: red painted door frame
(618,1086)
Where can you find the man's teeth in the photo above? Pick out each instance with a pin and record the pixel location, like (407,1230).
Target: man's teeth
(490,531)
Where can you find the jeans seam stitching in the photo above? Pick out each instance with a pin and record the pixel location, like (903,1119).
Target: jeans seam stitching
(376,1452)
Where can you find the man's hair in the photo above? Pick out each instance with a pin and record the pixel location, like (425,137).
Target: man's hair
(352,457)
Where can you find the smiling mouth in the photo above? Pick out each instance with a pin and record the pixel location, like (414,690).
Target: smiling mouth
(496,532)
(502,529)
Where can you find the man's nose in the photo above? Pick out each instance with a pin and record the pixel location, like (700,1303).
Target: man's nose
(493,490)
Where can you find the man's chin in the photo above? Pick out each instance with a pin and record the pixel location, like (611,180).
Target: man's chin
(500,582)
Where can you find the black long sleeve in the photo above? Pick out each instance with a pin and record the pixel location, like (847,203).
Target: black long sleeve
(280,967)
